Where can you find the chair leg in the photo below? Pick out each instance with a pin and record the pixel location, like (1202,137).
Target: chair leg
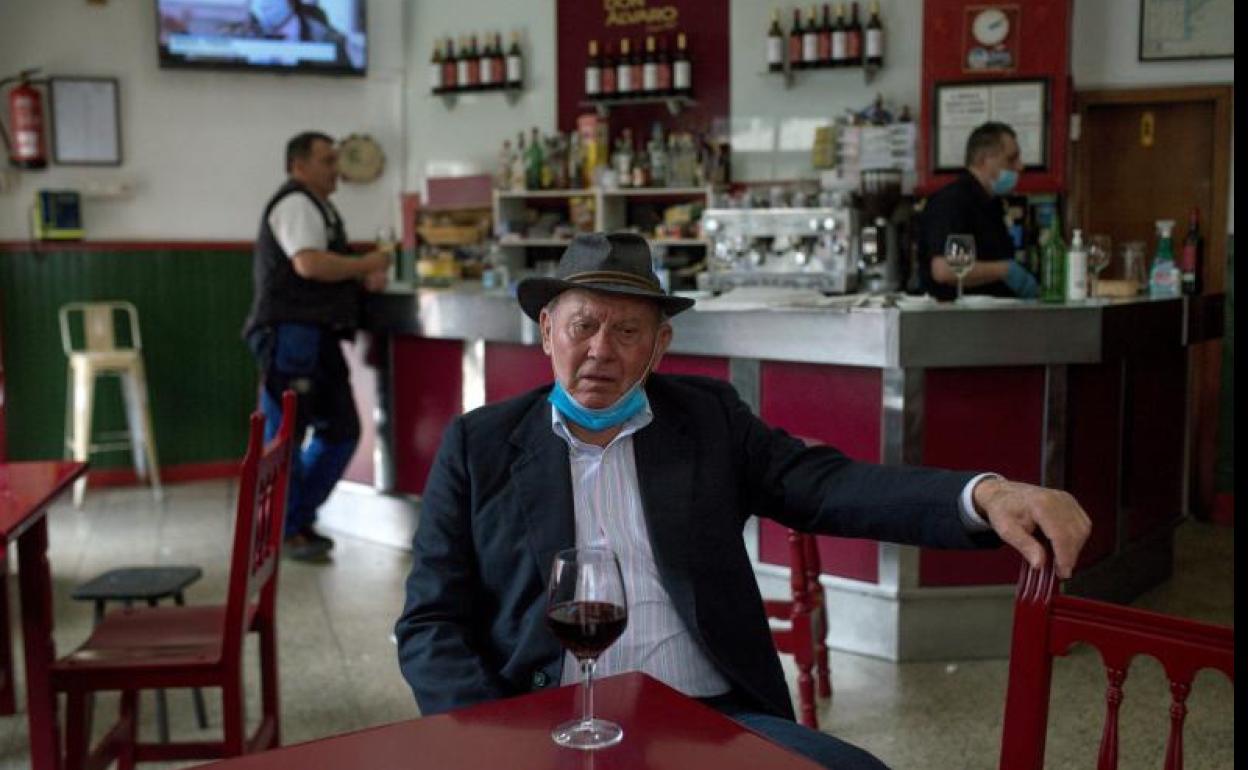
(8,698)
(130,718)
(268,680)
(806,694)
(197,695)
(77,730)
(84,402)
(142,428)
(233,717)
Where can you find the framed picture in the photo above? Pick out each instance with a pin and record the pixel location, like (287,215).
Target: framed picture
(1187,29)
(86,121)
(961,106)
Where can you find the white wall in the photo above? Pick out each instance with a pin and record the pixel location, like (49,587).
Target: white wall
(203,150)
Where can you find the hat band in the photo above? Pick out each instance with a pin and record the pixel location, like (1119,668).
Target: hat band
(612,276)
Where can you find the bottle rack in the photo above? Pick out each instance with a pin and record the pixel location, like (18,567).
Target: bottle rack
(790,73)
(610,210)
(675,102)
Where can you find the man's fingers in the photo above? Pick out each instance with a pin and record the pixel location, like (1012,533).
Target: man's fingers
(1025,544)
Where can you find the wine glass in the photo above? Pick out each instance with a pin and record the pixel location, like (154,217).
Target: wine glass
(386,241)
(1099,251)
(586,610)
(960,256)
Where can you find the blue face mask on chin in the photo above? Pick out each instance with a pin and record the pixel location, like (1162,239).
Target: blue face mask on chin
(1005,182)
(625,407)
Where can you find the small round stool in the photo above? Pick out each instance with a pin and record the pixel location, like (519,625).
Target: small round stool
(148,584)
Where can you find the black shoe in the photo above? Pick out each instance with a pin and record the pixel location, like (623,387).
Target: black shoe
(301,548)
(310,533)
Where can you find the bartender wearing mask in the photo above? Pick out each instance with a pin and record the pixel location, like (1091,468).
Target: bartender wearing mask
(973,204)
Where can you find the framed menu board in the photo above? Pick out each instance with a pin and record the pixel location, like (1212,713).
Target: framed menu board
(86,126)
(962,106)
(1187,29)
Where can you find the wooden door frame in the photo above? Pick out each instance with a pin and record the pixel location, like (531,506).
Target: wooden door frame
(1223,98)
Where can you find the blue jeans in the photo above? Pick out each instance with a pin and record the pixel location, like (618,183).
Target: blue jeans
(309,361)
(832,753)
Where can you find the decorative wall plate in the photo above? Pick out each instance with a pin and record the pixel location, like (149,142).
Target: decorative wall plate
(360,158)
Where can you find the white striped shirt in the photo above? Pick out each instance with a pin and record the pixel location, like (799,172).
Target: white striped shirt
(607,501)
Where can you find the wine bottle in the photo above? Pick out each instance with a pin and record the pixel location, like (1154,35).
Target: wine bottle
(810,41)
(499,61)
(515,62)
(635,72)
(474,64)
(795,41)
(853,39)
(484,69)
(450,67)
(624,70)
(1192,257)
(461,66)
(664,68)
(825,38)
(875,37)
(840,56)
(1053,263)
(682,69)
(775,43)
(610,80)
(650,68)
(593,72)
(435,68)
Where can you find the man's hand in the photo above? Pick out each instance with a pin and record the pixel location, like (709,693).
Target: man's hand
(375,281)
(1015,510)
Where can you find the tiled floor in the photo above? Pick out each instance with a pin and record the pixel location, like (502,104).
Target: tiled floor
(338,670)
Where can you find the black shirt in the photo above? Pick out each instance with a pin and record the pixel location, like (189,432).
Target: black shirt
(964,206)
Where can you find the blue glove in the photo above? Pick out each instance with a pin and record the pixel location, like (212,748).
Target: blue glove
(1021,281)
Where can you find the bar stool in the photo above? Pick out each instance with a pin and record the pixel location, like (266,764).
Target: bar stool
(98,356)
(150,585)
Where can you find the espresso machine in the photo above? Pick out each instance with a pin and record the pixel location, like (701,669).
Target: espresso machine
(800,247)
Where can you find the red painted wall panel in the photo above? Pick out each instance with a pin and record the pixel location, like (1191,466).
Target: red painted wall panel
(1043,51)
(702,366)
(428,394)
(705,24)
(981,420)
(836,405)
(514,369)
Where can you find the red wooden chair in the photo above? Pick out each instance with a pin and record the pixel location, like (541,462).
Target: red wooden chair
(1049,624)
(805,635)
(198,646)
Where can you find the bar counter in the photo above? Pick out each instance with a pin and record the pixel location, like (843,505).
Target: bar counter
(1089,397)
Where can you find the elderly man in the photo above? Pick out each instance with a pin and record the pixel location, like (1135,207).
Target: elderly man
(665,470)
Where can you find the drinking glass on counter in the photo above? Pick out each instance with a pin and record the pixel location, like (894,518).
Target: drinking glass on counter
(586,610)
(1099,252)
(1134,267)
(960,256)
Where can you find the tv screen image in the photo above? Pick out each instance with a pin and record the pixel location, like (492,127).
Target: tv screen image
(325,36)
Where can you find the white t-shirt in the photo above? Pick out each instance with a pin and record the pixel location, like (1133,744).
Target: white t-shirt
(297,224)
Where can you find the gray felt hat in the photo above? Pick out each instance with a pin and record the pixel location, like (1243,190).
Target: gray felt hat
(616,263)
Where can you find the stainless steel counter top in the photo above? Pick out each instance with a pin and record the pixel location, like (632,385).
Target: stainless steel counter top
(1023,333)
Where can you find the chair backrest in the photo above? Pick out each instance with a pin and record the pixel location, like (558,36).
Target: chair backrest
(1048,624)
(258,526)
(98,321)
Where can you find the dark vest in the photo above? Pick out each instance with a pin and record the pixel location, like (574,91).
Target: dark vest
(282,296)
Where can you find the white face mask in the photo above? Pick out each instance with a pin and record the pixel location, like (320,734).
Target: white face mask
(271,14)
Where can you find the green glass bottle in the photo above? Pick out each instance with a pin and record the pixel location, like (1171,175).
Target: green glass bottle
(1053,263)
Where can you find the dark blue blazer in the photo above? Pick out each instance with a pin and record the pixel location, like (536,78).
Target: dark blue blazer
(498,506)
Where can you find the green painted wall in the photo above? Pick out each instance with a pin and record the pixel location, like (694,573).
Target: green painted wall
(191,304)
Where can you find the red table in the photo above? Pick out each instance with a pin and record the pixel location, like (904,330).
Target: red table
(662,729)
(26,489)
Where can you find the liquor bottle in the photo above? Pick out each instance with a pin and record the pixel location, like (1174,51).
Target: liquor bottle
(1192,259)
(810,41)
(450,67)
(1053,263)
(853,39)
(534,161)
(624,70)
(1076,268)
(622,158)
(462,82)
(656,149)
(650,68)
(825,38)
(664,68)
(875,37)
(502,177)
(515,62)
(682,69)
(1164,279)
(795,41)
(593,72)
(474,64)
(435,68)
(484,68)
(519,171)
(576,161)
(775,43)
(610,75)
(840,57)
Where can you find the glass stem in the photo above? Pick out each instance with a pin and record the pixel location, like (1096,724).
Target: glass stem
(587,703)
(959,287)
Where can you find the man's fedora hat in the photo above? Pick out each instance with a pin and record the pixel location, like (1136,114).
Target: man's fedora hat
(616,263)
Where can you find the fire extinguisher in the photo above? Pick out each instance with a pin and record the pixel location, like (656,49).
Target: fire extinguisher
(27,144)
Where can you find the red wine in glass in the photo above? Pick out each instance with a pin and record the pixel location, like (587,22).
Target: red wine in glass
(586,610)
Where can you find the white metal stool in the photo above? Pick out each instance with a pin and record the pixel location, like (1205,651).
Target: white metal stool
(99,355)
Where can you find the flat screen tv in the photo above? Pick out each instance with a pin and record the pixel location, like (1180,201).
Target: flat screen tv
(317,36)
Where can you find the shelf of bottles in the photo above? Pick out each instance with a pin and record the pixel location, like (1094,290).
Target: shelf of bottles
(475,69)
(655,76)
(826,44)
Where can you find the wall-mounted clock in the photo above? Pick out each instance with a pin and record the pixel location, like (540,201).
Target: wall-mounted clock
(990,38)
(990,27)
(360,158)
